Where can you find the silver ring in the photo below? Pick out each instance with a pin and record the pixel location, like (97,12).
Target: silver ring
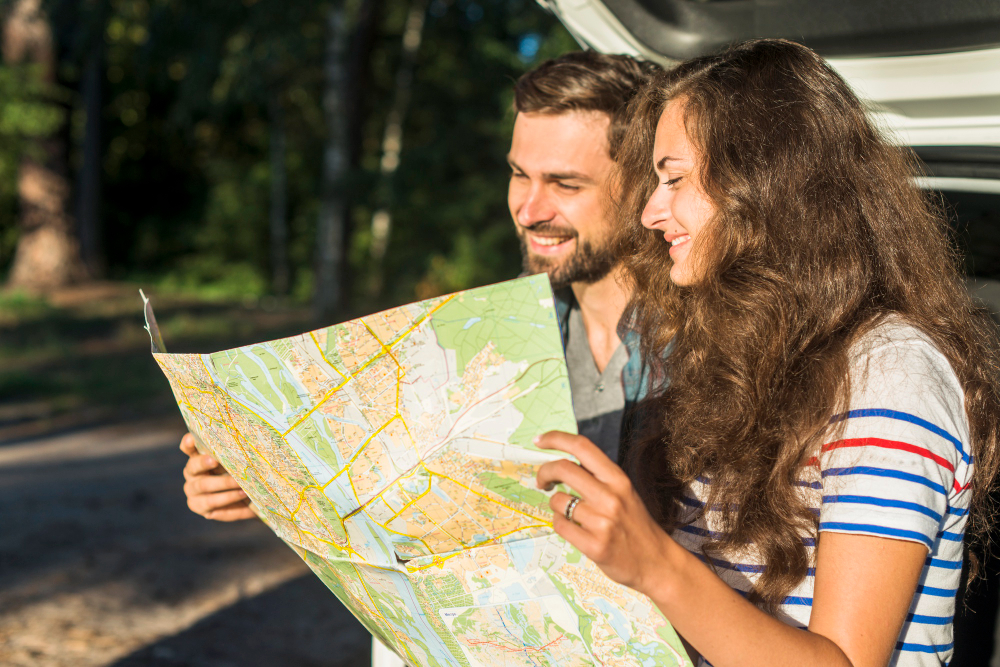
(573,502)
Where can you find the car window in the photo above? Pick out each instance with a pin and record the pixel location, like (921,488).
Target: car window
(975,219)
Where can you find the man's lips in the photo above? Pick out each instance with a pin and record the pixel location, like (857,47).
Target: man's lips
(548,244)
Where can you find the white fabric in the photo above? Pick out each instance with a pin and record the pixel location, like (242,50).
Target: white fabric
(900,469)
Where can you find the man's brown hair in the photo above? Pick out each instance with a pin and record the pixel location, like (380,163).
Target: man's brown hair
(584,81)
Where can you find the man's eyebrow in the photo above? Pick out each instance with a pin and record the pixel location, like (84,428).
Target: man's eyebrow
(567,176)
(556,176)
(661,164)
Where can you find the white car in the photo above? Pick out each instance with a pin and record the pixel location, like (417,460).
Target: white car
(930,73)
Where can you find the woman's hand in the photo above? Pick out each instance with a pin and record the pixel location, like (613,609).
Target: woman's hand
(610,524)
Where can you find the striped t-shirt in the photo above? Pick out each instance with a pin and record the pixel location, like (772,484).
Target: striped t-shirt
(899,468)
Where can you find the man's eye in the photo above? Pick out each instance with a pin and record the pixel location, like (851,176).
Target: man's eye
(567,187)
(517,174)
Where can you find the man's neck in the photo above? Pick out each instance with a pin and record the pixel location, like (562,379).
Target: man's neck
(601,305)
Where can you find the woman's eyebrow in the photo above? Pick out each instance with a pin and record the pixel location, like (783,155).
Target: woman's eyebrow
(661,164)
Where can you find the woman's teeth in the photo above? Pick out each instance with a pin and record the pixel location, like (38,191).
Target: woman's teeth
(680,239)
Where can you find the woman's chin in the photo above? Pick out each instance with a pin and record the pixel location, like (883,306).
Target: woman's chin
(680,276)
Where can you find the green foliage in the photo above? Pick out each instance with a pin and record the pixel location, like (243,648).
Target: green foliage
(29,110)
(190,96)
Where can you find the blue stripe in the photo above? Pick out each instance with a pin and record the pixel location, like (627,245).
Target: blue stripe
(883,472)
(946,564)
(701,532)
(798,600)
(950,536)
(743,567)
(930,620)
(805,602)
(692,502)
(880,530)
(958,511)
(906,417)
(925,648)
(884,502)
(937,592)
(810,485)
(716,535)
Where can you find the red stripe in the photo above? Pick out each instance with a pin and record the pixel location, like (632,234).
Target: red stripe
(893,444)
(890,444)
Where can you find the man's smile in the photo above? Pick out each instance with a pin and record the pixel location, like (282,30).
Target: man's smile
(549,244)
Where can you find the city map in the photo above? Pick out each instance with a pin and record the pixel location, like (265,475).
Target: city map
(394,454)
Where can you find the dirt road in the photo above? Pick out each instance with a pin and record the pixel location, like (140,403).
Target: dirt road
(102,564)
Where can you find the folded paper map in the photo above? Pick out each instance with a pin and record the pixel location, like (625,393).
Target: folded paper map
(394,454)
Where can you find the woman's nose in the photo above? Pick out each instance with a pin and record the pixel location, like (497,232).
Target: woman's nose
(657,209)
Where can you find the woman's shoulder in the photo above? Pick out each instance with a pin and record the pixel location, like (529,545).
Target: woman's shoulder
(896,348)
(899,373)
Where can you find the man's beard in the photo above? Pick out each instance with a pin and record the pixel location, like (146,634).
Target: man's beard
(588,263)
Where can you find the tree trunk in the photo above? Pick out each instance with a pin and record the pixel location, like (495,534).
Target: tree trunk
(279,200)
(392,140)
(89,181)
(332,210)
(48,253)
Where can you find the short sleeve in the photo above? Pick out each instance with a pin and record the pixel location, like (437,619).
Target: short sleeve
(899,466)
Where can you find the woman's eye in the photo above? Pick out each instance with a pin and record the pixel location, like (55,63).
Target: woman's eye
(672,181)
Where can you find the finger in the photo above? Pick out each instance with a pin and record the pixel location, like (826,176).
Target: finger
(199,465)
(587,453)
(581,512)
(236,512)
(209,502)
(566,472)
(188,446)
(574,534)
(210,484)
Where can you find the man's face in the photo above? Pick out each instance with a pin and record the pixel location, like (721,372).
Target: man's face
(560,166)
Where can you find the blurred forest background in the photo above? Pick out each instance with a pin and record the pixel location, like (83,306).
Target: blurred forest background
(259,166)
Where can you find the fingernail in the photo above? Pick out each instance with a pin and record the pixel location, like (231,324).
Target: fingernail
(211,461)
(537,439)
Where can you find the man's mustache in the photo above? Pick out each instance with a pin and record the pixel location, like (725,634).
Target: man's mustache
(550,229)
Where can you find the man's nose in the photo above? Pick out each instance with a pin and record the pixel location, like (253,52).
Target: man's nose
(536,208)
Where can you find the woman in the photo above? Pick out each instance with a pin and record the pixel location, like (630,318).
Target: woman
(830,426)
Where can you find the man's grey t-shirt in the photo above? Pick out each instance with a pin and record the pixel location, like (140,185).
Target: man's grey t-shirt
(598,398)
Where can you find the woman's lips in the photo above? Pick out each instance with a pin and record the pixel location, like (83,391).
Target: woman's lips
(679,243)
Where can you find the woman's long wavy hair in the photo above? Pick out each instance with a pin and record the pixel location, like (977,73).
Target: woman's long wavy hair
(818,235)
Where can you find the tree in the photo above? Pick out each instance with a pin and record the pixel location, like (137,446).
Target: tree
(89,178)
(330,226)
(392,140)
(48,253)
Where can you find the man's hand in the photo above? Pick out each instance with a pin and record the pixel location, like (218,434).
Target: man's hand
(210,490)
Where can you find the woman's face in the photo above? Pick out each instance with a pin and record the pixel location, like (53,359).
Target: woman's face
(678,207)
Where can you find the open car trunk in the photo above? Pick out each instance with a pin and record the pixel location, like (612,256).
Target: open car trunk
(928,69)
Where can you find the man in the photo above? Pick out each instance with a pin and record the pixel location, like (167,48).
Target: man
(570,122)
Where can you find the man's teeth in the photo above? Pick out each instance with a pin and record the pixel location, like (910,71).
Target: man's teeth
(680,239)
(551,240)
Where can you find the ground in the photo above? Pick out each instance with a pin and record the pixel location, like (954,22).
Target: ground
(101,563)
